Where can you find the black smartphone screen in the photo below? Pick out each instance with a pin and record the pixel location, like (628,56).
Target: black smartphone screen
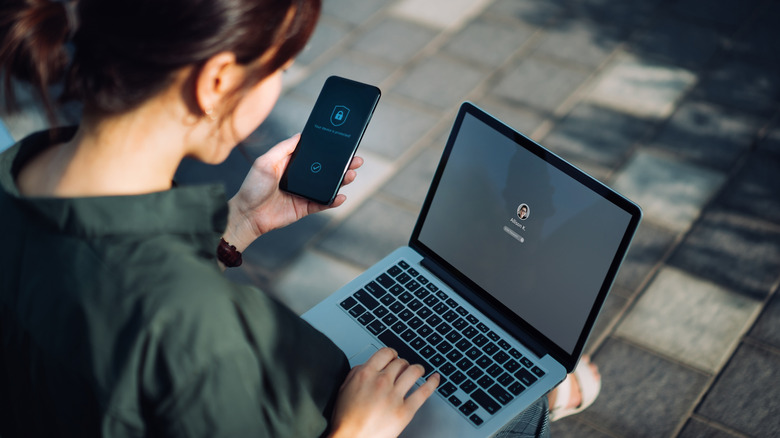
(329,139)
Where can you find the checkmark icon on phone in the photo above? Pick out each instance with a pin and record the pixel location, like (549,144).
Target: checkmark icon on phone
(316,167)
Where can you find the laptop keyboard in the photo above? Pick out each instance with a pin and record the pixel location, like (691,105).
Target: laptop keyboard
(480,371)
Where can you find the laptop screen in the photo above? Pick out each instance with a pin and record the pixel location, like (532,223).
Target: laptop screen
(531,236)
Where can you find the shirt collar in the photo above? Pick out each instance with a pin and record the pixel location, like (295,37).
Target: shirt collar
(186,210)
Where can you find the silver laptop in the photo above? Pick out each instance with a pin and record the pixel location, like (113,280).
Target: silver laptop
(507,268)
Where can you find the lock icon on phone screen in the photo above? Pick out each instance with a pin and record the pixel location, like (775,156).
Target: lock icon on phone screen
(339,115)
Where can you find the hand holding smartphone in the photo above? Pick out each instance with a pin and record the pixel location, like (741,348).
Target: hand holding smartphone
(330,139)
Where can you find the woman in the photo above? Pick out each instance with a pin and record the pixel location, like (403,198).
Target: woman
(114,315)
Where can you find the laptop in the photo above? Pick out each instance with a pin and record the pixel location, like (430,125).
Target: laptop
(506,270)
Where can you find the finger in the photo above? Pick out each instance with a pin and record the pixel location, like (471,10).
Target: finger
(396,367)
(282,149)
(379,360)
(349,177)
(418,397)
(340,199)
(356,163)
(409,377)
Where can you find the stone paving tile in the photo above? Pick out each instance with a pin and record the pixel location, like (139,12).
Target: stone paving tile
(771,143)
(648,247)
(326,35)
(539,83)
(349,66)
(395,127)
(535,12)
(596,136)
(760,39)
(693,321)
(707,134)
(642,395)
(439,13)
(586,43)
(733,250)
(740,85)
(312,278)
(394,40)
(671,193)
(767,328)
(351,11)
(699,429)
(676,41)
(411,183)
(370,233)
(626,15)
(755,191)
(746,396)
(570,427)
(276,249)
(728,13)
(488,42)
(440,81)
(641,87)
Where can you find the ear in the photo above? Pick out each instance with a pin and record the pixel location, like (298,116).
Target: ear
(217,79)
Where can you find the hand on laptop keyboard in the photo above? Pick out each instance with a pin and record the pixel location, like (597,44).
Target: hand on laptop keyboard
(372,402)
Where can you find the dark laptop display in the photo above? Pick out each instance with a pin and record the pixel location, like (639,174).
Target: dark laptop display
(537,242)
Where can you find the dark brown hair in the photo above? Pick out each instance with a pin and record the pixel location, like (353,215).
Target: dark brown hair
(123,52)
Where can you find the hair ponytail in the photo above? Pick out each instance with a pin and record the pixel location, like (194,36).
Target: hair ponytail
(33,34)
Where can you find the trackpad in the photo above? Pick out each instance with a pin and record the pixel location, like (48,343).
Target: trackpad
(362,356)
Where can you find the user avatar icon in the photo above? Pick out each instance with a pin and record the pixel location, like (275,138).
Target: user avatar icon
(523,212)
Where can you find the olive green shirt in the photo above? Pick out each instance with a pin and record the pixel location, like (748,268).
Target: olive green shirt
(116,321)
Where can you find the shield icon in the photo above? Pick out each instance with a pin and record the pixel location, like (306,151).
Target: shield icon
(339,115)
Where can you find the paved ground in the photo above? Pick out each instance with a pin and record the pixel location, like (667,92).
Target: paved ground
(674,103)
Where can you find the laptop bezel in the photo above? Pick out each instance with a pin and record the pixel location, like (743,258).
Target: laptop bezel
(478,297)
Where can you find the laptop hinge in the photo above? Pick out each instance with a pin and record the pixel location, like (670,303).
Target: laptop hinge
(473,297)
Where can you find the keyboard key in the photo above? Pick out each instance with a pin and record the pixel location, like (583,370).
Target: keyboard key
(500,394)
(444,347)
(366,299)
(526,377)
(394,271)
(458,377)
(404,351)
(484,361)
(413,272)
(501,357)
(376,327)
(440,308)
(538,371)
(474,353)
(396,307)
(447,389)
(405,297)
(490,348)
(443,328)
(374,289)
(480,340)
(526,362)
(348,303)
(454,336)
(437,360)
(415,323)
(386,281)
(399,327)
(434,339)
(455,401)
(516,388)
(424,312)
(469,332)
(476,420)
(450,316)
(427,351)
(472,319)
(403,264)
(415,304)
(475,373)
(387,300)
(454,356)
(447,369)
(434,320)
(493,336)
(357,311)
(381,311)
(504,344)
(495,370)
(460,323)
(366,318)
(468,408)
(452,303)
(397,289)
(432,287)
(431,300)
(442,295)
(403,278)
(423,281)
(412,286)
(482,327)
(464,364)
(462,311)
(418,343)
(421,293)
(467,386)
(463,345)
(506,379)
(425,330)
(484,400)
(408,335)
(405,314)
(511,365)
(485,382)
(514,353)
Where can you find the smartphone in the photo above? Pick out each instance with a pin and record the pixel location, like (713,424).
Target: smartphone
(330,139)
